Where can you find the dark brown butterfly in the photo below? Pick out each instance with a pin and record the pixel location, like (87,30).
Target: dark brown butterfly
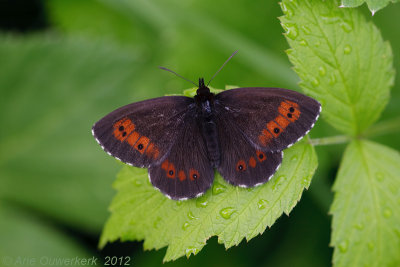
(181,140)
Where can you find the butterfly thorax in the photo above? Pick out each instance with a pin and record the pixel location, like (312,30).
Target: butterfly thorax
(204,100)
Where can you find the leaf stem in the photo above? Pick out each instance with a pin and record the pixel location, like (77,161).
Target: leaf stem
(332,140)
(385,127)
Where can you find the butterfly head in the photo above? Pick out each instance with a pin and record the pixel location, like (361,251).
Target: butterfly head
(203,92)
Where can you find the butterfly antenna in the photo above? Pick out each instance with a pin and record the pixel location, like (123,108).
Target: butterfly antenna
(223,65)
(178,75)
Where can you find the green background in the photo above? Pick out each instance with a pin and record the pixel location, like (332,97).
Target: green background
(78,60)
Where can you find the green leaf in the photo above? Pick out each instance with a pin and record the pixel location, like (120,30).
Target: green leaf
(373,5)
(342,61)
(231,213)
(366,208)
(52,90)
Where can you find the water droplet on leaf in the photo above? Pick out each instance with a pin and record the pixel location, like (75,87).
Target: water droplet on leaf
(306,181)
(343,246)
(305,29)
(137,182)
(185,225)
(218,188)
(226,213)
(332,79)
(371,245)
(291,30)
(322,71)
(156,222)
(191,216)
(347,49)
(294,158)
(315,82)
(329,19)
(179,203)
(346,27)
(278,181)
(201,202)
(191,250)
(262,204)
(303,42)
(287,10)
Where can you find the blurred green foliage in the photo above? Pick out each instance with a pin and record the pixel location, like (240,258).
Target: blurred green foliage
(97,55)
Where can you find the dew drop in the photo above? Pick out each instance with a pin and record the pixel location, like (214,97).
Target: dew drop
(332,79)
(347,49)
(291,30)
(191,250)
(322,71)
(294,158)
(287,10)
(379,176)
(343,246)
(370,245)
(305,182)
(185,225)
(315,82)
(138,182)
(179,203)
(387,213)
(317,43)
(278,182)
(303,42)
(227,212)
(262,204)
(191,216)
(330,19)
(359,226)
(201,202)
(305,29)
(218,188)
(156,222)
(346,27)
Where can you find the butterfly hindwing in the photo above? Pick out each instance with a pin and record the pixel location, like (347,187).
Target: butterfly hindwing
(242,164)
(185,171)
(142,133)
(272,119)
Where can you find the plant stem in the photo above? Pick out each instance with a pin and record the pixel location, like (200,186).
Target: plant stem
(385,127)
(332,140)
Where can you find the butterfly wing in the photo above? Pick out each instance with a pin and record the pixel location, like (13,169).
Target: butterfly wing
(186,171)
(141,134)
(272,119)
(243,164)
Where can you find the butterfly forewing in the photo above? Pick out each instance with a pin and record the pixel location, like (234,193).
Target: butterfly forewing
(142,133)
(272,119)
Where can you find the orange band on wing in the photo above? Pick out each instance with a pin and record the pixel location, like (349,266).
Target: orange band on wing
(123,128)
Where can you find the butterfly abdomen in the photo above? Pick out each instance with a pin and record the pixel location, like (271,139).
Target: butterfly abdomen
(209,132)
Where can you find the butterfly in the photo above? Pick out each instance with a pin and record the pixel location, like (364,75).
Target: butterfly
(181,140)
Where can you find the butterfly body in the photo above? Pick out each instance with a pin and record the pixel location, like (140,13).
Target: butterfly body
(181,140)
